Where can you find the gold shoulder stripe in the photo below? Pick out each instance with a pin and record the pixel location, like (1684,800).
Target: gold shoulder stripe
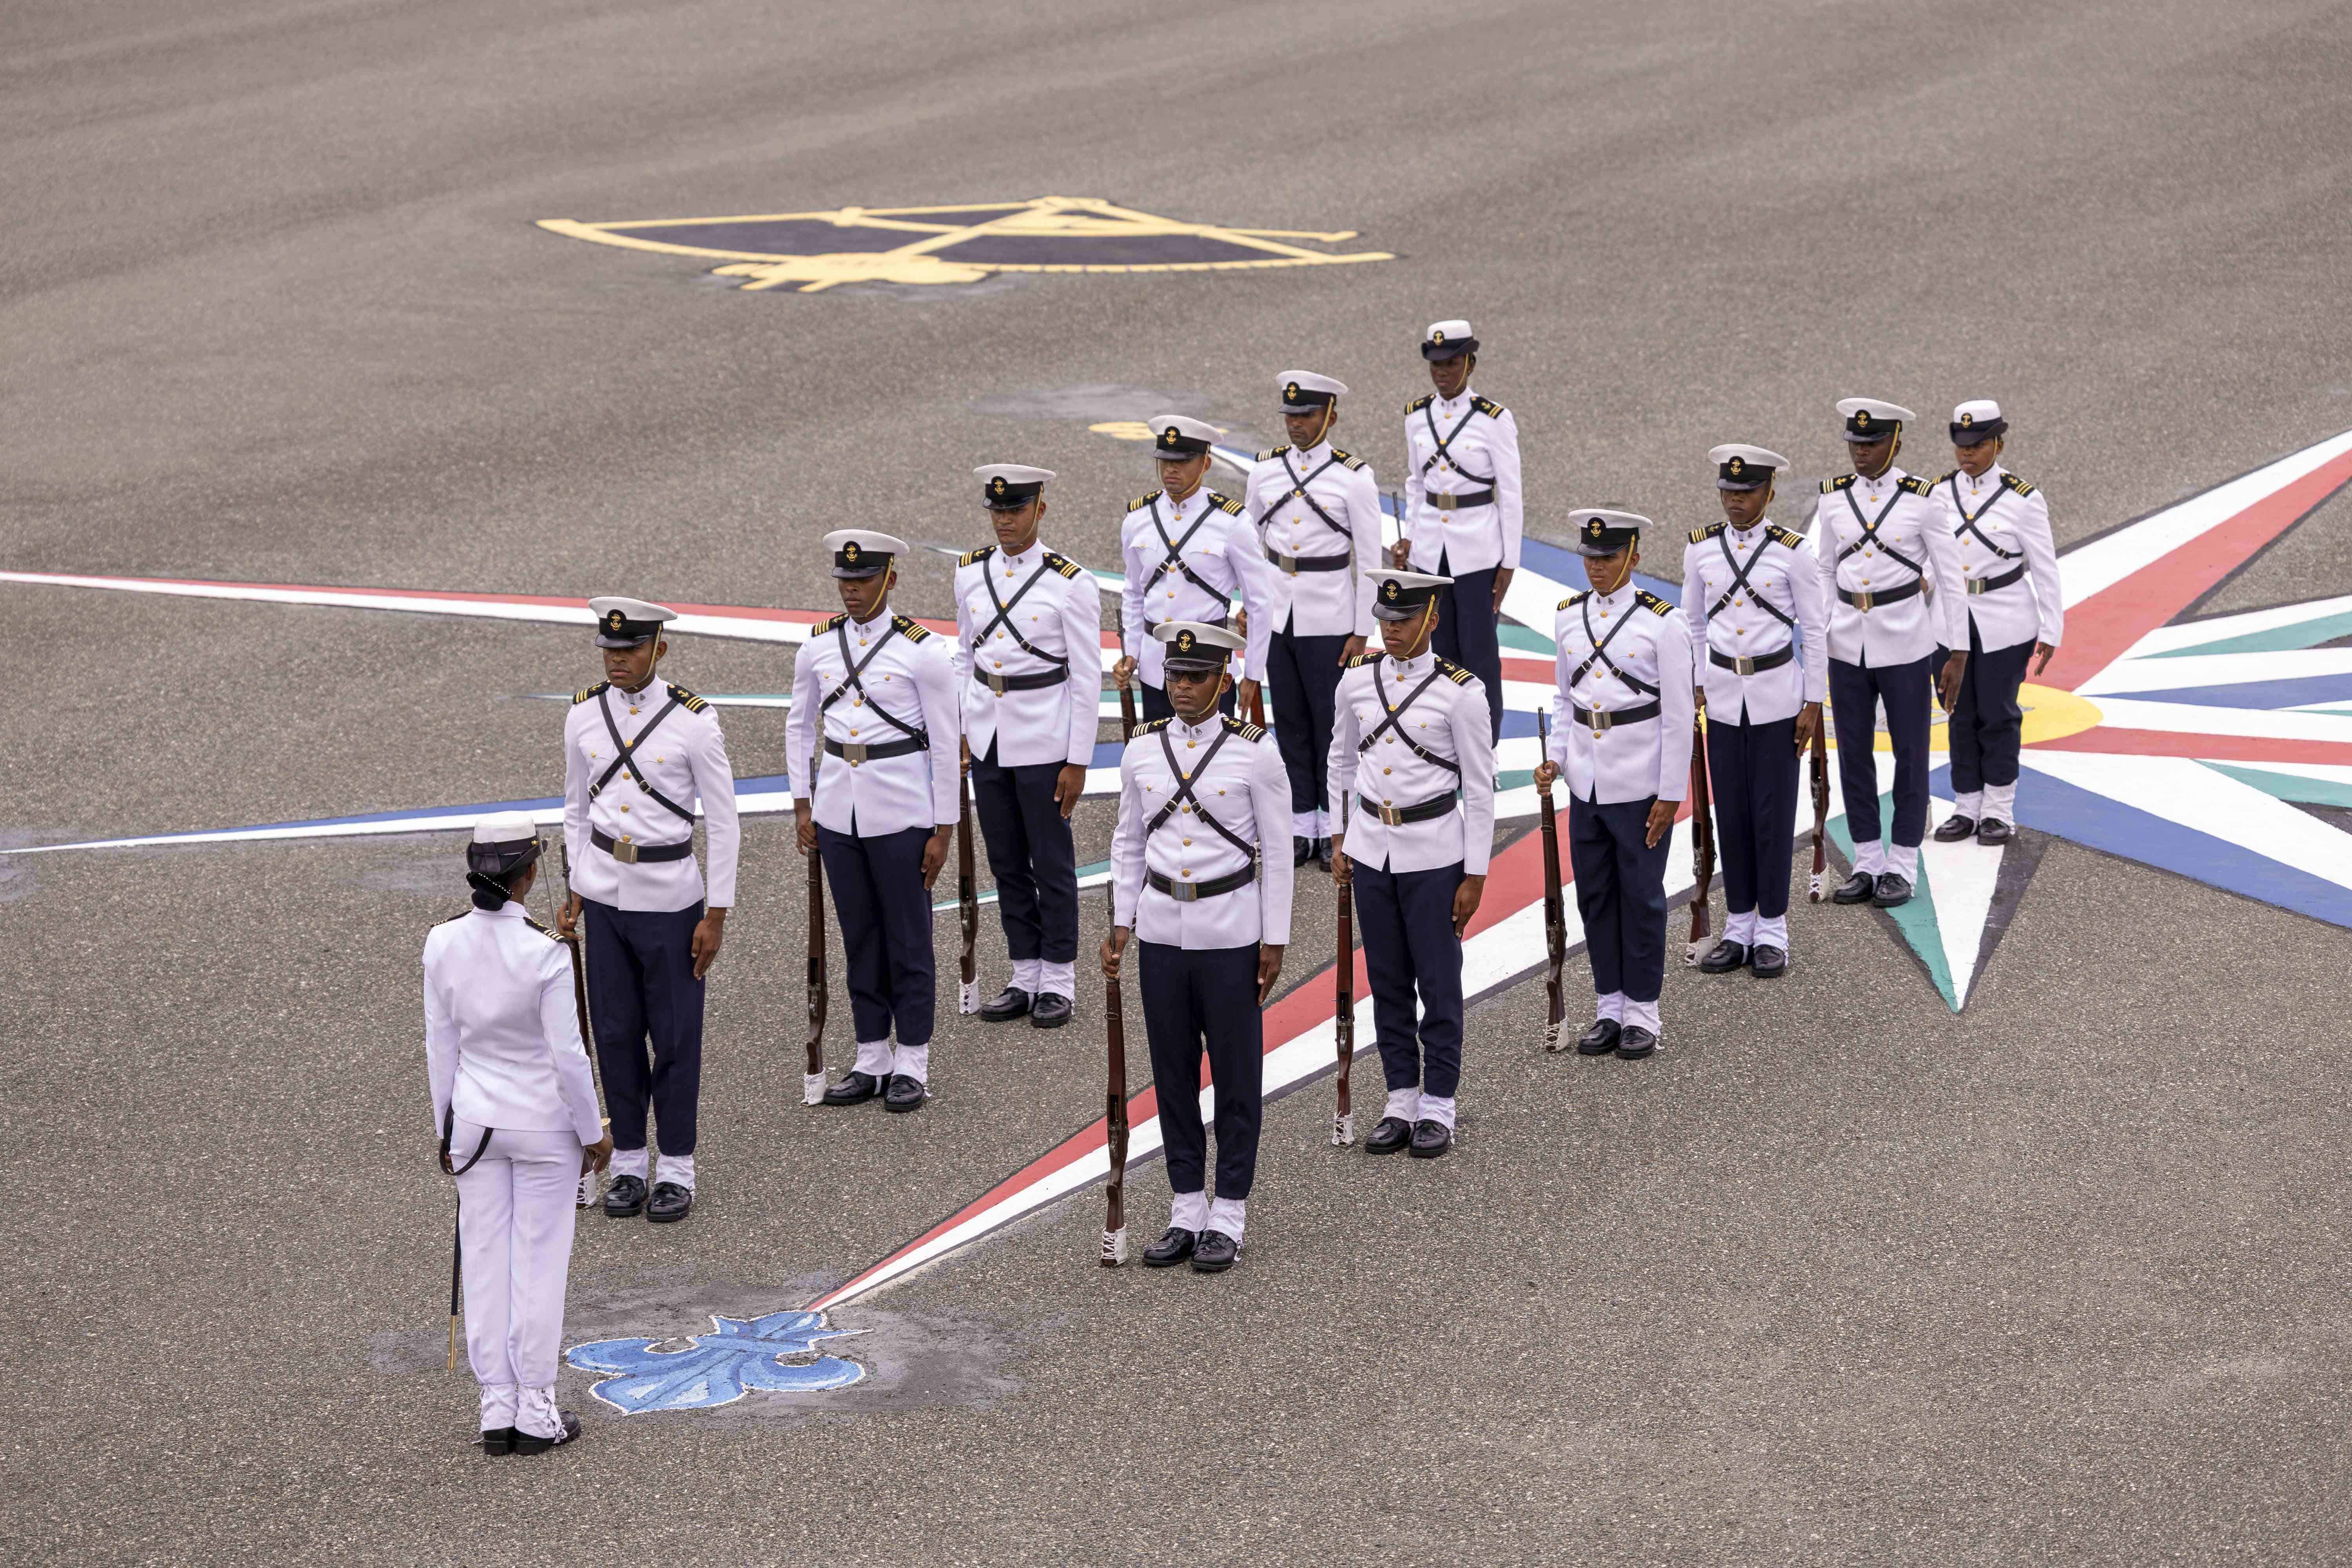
(1363,658)
(1271,453)
(1652,602)
(974,557)
(2020,486)
(1455,673)
(912,630)
(1063,564)
(1418,404)
(461,914)
(584,695)
(1701,535)
(1569,603)
(1915,484)
(1791,539)
(1225,504)
(688,699)
(1346,461)
(1139,502)
(1487,406)
(1830,487)
(1147,729)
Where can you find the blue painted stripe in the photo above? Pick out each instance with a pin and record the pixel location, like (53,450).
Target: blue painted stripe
(2260,694)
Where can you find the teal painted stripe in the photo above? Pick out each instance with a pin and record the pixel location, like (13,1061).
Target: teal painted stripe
(2278,639)
(2290,787)
(1512,635)
(1915,919)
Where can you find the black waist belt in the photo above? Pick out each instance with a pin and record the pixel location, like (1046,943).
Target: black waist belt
(859,752)
(1192,892)
(1865,601)
(1986,585)
(1599,718)
(1397,815)
(1462,502)
(1000,684)
(629,854)
(1292,565)
(1745,666)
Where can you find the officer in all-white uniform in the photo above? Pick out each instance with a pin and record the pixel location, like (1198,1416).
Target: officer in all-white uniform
(1752,597)
(1028,659)
(2015,613)
(1891,584)
(878,801)
(639,755)
(1412,786)
(1624,740)
(1317,510)
(1188,553)
(1201,794)
(515,1109)
(1461,512)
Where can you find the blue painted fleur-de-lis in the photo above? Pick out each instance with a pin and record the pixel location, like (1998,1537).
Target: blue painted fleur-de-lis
(740,1356)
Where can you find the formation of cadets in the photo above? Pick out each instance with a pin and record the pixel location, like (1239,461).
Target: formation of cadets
(1383,669)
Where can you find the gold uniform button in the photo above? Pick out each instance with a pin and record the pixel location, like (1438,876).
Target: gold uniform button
(1188,843)
(625,810)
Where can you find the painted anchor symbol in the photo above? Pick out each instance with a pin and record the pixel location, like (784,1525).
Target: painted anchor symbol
(740,1356)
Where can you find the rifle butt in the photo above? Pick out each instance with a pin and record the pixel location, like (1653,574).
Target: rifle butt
(813,1077)
(1701,844)
(1343,1020)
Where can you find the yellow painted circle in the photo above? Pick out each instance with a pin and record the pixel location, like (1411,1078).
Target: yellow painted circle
(2051,715)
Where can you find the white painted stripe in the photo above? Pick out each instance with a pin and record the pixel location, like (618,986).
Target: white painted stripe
(2189,669)
(2189,719)
(2181,791)
(2218,628)
(1960,881)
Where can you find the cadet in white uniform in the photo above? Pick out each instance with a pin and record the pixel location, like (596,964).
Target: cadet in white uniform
(638,755)
(515,1109)
(2016,613)
(1413,785)
(1188,553)
(1201,794)
(878,801)
(1752,598)
(1461,512)
(1028,659)
(1623,741)
(1891,583)
(1317,510)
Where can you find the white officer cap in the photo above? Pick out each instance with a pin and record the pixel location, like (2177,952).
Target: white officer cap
(1175,437)
(1197,645)
(505,827)
(504,842)
(861,552)
(1006,487)
(1446,340)
(1979,419)
(1303,391)
(1402,594)
(1602,531)
(1741,467)
(626,623)
(1868,419)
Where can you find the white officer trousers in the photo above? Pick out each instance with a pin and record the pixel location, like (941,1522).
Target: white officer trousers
(515,1214)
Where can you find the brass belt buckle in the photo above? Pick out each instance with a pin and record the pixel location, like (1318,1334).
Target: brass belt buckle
(1287,564)
(1863,601)
(1743,665)
(1391,816)
(626,853)
(1184,892)
(1442,502)
(1978,584)
(994,683)
(855,750)
(1601,721)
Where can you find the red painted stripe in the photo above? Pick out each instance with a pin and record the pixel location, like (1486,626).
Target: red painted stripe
(2103,628)
(2215,747)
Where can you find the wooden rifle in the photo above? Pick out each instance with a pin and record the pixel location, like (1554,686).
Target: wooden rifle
(1343,1009)
(1701,836)
(967,893)
(1114,1239)
(586,1197)
(812,1076)
(1821,808)
(1555,911)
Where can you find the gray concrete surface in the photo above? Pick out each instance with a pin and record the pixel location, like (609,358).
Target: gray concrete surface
(1839,1278)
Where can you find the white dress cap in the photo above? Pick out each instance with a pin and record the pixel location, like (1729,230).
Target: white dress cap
(505,827)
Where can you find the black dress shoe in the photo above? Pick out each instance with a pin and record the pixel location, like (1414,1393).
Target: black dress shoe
(904,1093)
(497,1442)
(525,1443)
(1302,850)
(669,1204)
(1173,1247)
(1599,1040)
(1215,1253)
(1635,1043)
(626,1198)
(1954,828)
(855,1089)
(1726,956)
(1993,830)
(1891,891)
(1051,1011)
(1392,1135)
(1430,1140)
(1854,890)
(1010,1003)
(1323,855)
(1768,962)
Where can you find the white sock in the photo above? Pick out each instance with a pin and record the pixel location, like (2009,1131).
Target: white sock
(630,1162)
(497,1406)
(2000,802)
(678,1168)
(1057,979)
(1968,804)
(1322,825)
(1404,1104)
(536,1413)
(914,1062)
(1025,972)
(1188,1211)
(1438,1109)
(1903,859)
(1612,1006)
(1740,928)
(1773,932)
(1302,824)
(1870,858)
(1226,1214)
(1643,1015)
(873,1058)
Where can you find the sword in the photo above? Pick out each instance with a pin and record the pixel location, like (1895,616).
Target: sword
(1114,1238)
(1343,1012)
(1555,913)
(1702,837)
(1821,770)
(967,893)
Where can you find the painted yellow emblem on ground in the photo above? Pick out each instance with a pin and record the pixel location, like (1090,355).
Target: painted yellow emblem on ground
(946,244)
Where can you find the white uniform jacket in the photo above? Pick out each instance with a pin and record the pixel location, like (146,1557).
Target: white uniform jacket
(501,1035)
(904,687)
(1322,508)
(1621,652)
(1460,447)
(1407,733)
(2002,523)
(678,758)
(1911,543)
(1755,594)
(1028,617)
(1240,787)
(1188,561)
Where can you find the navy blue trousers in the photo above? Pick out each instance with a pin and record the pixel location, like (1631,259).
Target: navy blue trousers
(1303,676)
(1908,692)
(1466,633)
(641,989)
(1987,723)
(1406,919)
(1196,1000)
(1032,856)
(1621,893)
(1752,769)
(1156,705)
(886,928)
